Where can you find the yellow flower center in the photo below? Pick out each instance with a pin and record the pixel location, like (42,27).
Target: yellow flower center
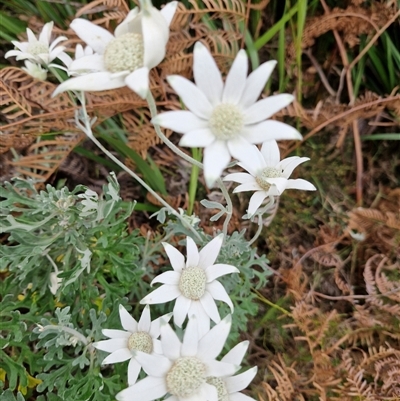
(269,172)
(192,282)
(226,121)
(140,341)
(124,53)
(186,375)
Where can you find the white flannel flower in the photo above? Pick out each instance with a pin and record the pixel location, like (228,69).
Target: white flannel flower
(39,51)
(125,58)
(229,387)
(268,174)
(225,119)
(35,70)
(183,369)
(193,284)
(139,336)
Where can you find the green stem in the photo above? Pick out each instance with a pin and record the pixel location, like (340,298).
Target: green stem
(87,129)
(265,300)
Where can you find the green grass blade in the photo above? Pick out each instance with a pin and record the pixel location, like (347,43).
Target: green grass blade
(382,137)
(194,177)
(267,36)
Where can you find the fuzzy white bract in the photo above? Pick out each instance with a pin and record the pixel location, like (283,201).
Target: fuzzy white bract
(184,368)
(125,58)
(139,336)
(193,284)
(225,119)
(39,51)
(268,174)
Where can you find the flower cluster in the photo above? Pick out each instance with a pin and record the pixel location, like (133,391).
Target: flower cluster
(228,120)
(186,370)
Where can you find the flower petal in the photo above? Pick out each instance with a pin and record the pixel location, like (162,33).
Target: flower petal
(206,74)
(131,23)
(171,345)
(256,82)
(216,158)
(248,186)
(211,344)
(163,294)
(271,154)
(255,201)
(97,81)
(181,308)
(85,64)
(138,81)
(190,338)
(45,35)
(236,79)
(290,163)
(120,355)
(148,389)
(208,255)
(156,325)
(241,178)
(112,345)
(169,277)
(175,257)
(198,138)
(155,33)
(153,364)
(267,107)
(203,320)
(240,382)
(93,35)
(236,354)
(299,183)
(218,270)
(246,153)
(208,303)
(31,36)
(193,98)
(133,371)
(192,259)
(180,121)
(127,321)
(220,369)
(271,129)
(218,292)
(279,182)
(111,333)
(145,320)
(168,11)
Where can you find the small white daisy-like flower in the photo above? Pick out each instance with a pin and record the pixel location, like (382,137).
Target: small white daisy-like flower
(139,336)
(183,369)
(268,174)
(229,387)
(35,70)
(39,51)
(125,58)
(193,284)
(225,119)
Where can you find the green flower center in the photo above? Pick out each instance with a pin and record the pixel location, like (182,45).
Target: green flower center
(226,121)
(185,376)
(269,172)
(192,283)
(222,391)
(124,53)
(140,341)
(37,48)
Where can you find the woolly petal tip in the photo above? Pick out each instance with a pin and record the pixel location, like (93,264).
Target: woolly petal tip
(138,81)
